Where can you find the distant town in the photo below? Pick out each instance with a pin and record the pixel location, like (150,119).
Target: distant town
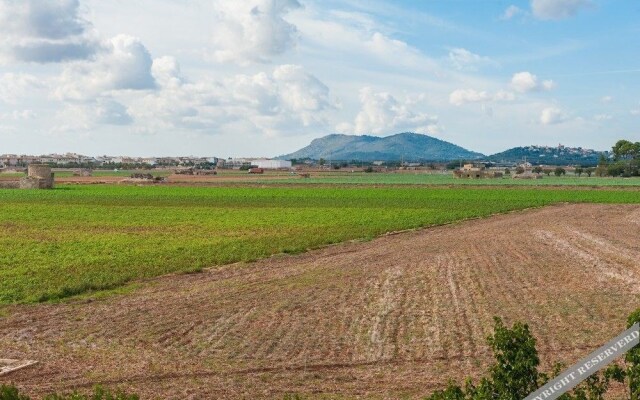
(536,155)
(74,160)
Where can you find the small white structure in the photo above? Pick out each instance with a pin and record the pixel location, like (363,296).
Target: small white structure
(271,164)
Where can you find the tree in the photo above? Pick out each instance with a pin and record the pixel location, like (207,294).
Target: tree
(321,161)
(588,171)
(559,171)
(578,171)
(537,170)
(519,170)
(626,150)
(515,373)
(632,359)
(507,171)
(616,169)
(603,164)
(547,171)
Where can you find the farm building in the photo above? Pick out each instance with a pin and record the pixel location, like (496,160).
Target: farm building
(271,164)
(471,171)
(39,176)
(527,175)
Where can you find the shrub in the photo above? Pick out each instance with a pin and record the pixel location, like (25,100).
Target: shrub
(515,374)
(12,393)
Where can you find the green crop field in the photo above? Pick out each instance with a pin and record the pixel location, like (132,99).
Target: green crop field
(422,178)
(76,239)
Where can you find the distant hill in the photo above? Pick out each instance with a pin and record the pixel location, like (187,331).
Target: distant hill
(559,155)
(403,146)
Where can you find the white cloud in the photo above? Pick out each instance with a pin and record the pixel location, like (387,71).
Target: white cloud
(287,101)
(463,96)
(510,12)
(18,115)
(166,72)
(125,65)
(557,9)
(552,116)
(606,99)
(503,95)
(381,113)
(463,59)
(635,111)
(527,82)
(253,30)
(83,118)
(110,112)
(44,31)
(301,91)
(603,117)
(17,86)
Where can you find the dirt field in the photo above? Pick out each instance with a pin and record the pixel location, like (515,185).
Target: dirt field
(392,317)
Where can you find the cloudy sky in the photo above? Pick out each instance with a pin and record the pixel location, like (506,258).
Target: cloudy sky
(265,77)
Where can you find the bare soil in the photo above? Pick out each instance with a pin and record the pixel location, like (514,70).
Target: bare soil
(396,316)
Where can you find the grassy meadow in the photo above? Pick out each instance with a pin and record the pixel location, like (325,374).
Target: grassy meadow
(76,239)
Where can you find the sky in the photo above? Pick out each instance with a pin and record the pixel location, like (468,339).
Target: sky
(236,78)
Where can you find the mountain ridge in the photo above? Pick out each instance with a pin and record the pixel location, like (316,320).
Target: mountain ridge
(409,146)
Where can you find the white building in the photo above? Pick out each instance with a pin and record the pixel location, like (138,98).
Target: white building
(271,164)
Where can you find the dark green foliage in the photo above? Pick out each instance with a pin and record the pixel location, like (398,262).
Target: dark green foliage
(626,150)
(616,169)
(99,393)
(515,375)
(11,393)
(452,392)
(632,360)
(559,171)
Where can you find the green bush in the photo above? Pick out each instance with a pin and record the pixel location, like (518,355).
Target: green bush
(515,373)
(99,393)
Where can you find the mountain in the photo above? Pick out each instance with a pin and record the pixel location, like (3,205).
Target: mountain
(403,146)
(560,155)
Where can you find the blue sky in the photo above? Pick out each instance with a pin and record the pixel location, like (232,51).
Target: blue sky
(265,77)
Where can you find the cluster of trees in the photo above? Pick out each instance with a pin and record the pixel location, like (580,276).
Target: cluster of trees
(626,160)
(514,374)
(558,171)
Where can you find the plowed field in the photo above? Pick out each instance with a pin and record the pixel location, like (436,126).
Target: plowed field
(395,316)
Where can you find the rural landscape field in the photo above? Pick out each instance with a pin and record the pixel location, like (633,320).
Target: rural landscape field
(211,291)
(319,200)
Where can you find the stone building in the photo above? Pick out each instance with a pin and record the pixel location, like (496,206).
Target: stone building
(471,171)
(39,176)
